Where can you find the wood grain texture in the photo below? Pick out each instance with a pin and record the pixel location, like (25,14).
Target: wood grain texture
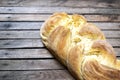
(48,64)
(27,53)
(50,10)
(30,64)
(36,75)
(20,34)
(32,53)
(22,54)
(36,25)
(36,43)
(30,43)
(20,25)
(38,17)
(114,42)
(35,34)
(117,52)
(67,3)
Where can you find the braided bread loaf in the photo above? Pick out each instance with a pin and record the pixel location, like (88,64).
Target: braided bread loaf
(81,47)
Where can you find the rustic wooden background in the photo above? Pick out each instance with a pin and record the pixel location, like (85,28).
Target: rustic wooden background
(22,54)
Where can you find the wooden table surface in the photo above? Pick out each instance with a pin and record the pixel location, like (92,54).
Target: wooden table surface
(22,54)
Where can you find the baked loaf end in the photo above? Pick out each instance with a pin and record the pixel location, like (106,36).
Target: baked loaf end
(81,47)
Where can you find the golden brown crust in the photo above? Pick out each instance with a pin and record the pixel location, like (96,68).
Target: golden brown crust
(89,30)
(58,41)
(81,47)
(99,71)
(75,59)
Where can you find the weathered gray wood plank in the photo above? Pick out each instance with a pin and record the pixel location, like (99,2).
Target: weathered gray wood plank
(108,25)
(36,75)
(32,53)
(36,34)
(38,17)
(37,25)
(117,51)
(20,34)
(30,43)
(20,25)
(48,64)
(67,3)
(112,18)
(113,34)
(50,10)
(114,42)
(28,53)
(30,64)
(36,43)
